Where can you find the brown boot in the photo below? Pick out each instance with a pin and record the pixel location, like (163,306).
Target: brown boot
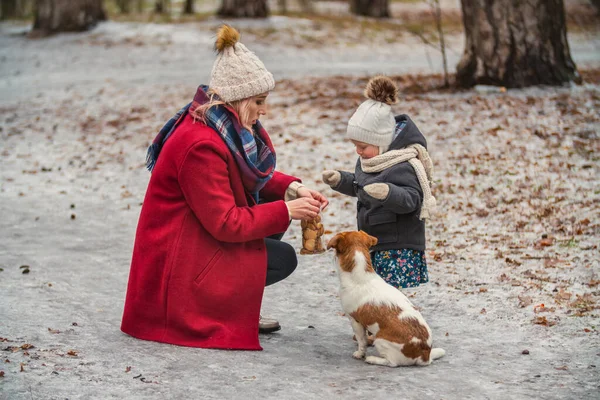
(268,325)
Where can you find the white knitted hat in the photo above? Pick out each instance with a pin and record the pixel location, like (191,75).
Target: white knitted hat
(237,72)
(373,122)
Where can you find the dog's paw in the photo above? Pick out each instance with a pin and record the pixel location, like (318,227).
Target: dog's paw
(359,355)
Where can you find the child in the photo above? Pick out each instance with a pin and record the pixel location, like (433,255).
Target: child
(392,183)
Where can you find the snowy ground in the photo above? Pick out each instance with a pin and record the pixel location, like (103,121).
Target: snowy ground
(513,248)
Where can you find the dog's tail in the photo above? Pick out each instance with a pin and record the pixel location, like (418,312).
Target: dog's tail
(436,353)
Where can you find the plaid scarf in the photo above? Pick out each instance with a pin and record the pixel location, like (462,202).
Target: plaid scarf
(253,151)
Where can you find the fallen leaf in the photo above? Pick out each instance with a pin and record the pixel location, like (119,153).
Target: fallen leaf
(546,242)
(128,369)
(511,261)
(72,353)
(27,346)
(543,321)
(551,262)
(525,301)
(563,295)
(53,330)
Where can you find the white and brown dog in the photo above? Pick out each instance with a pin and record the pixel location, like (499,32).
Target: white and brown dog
(402,336)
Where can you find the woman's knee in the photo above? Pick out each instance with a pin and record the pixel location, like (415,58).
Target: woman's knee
(289,260)
(281,261)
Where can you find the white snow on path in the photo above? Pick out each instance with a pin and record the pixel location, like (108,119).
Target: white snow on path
(510,168)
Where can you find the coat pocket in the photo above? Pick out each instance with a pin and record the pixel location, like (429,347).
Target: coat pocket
(214,259)
(382,225)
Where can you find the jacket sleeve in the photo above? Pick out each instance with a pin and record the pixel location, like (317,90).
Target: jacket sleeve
(402,199)
(204,181)
(346,185)
(405,195)
(276,186)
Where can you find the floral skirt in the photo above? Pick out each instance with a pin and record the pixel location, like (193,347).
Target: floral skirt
(402,268)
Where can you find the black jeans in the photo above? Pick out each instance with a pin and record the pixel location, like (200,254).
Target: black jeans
(281,259)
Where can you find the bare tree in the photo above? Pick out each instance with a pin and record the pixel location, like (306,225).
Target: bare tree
(52,16)
(435,4)
(188,7)
(244,8)
(515,44)
(370,8)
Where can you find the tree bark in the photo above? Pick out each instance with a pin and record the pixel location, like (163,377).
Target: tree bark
(515,43)
(8,9)
(370,8)
(53,16)
(188,7)
(244,9)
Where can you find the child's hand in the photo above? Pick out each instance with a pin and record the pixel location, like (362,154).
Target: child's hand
(332,178)
(378,191)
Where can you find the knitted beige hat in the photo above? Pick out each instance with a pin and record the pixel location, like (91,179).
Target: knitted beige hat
(237,72)
(373,122)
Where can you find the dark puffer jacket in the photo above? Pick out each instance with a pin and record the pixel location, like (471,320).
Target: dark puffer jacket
(394,221)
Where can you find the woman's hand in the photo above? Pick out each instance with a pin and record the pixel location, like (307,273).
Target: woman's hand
(304,192)
(303,208)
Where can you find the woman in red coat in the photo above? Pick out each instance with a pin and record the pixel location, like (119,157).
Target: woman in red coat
(207,237)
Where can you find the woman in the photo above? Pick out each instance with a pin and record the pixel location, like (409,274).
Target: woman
(206,242)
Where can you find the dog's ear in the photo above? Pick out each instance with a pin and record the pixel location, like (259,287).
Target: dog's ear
(370,240)
(333,242)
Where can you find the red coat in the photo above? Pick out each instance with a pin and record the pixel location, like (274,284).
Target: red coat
(199,261)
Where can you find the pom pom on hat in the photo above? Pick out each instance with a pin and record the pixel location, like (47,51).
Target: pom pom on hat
(227,36)
(382,89)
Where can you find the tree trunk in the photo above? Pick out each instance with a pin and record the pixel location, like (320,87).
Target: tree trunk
(161,6)
(53,16)
(124,6)
(244,8)
(515,43)
(282,6)
(8,9)
(188,7)
(370,8)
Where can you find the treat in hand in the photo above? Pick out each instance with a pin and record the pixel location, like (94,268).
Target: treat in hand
(311,236)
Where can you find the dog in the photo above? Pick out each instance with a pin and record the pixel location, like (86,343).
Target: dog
(401,335)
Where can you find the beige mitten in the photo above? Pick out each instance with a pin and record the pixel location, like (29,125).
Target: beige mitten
(378,191)
(331,177)
(311,236)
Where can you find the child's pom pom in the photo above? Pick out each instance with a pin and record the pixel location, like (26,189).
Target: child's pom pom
(227,36)
(382,89)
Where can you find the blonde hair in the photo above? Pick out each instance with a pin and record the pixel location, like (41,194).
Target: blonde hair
(239,106)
